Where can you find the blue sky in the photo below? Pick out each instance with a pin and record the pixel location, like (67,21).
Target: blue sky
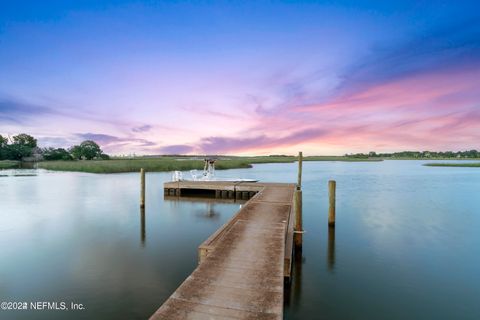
(242,77)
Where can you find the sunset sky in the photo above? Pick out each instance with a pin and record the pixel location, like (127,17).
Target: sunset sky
(242,77)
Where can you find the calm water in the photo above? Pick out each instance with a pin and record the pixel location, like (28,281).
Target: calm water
(406,245)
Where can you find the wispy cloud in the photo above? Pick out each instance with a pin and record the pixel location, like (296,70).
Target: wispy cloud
(143,128)
(412,85)
(56,142)
(18,112)
(114,143)
(233,144)
(448,46)
(176,149)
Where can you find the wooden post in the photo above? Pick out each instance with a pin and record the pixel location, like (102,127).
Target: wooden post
(298,218)
(142,188)
(331,197)
(298,237)
(299,181)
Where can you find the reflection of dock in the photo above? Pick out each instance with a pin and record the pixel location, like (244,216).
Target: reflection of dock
(204,199)
(243,264)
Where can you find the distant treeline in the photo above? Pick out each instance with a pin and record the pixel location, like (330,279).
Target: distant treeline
(24,147)
(418,154)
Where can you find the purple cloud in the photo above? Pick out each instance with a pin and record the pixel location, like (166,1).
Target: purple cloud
(112,141)
(446,46)
(143,128)
(17,112)
(176,149)
(226,144)
(56,142)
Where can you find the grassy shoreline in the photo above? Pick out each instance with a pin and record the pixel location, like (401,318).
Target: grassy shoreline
(170,163)
(462,165)
(8,164)
(174,163)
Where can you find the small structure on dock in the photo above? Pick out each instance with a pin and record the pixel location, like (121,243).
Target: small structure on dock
(208,174)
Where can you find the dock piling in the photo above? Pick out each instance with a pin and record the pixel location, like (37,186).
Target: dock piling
(331,197)
(300,160)
(142,188)
(298,219)
(298,237)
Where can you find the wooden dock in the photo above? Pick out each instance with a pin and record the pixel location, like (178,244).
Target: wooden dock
(242,265)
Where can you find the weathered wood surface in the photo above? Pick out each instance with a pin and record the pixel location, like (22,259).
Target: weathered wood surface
(331,199)
(241,275)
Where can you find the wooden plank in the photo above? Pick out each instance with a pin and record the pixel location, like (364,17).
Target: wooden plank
(243,263)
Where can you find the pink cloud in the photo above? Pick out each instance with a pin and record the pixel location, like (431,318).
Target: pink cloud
(438,110)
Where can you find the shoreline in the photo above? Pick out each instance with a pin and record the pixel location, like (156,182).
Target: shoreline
(459,165)
(166,164)
(9,164)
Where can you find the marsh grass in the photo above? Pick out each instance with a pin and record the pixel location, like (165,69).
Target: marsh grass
(8,164)
(341,158)
(465,165)
(172,163)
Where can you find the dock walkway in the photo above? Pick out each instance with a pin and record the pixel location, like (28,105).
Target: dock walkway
(243,264)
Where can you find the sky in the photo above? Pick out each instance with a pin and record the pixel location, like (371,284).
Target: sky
(242,77)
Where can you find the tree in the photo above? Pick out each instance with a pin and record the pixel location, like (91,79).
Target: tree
(88,150)
(4,152)
(3,141)
(24,139)
(22,146)
(76,152)
(56,154)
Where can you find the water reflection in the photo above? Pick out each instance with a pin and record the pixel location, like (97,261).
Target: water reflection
(18,173)
(209,212)
(297,276)
(82,244)
(142,226)
(202,199)
(331,248)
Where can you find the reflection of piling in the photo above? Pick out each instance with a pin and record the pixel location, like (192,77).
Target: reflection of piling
(142,226)
(142,188)
(331,248)
(331,198)
(297,280)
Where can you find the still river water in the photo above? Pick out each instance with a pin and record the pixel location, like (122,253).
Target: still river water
(406,244)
